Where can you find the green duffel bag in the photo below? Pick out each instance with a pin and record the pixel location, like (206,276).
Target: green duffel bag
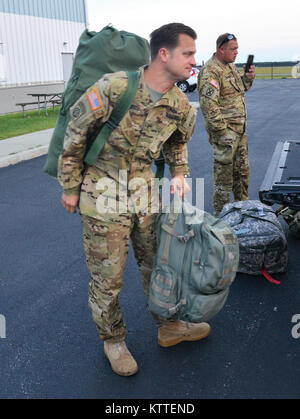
(196,262)
(98,53)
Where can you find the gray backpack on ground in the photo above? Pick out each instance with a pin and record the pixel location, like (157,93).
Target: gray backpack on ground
(196,262)
(262,242)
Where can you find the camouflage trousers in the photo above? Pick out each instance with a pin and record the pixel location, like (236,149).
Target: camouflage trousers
(106,248)
(231,168)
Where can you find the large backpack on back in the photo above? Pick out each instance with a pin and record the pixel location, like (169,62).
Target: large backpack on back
(263,245)
(98,53)
(196,262)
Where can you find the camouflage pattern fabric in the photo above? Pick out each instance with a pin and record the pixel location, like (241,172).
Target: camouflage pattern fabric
(222,102)
(231,169)
(125,159)
(106,248)
(292,217)
(132,146)
(260,236)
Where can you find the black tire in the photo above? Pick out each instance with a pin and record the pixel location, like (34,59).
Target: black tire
(183,86)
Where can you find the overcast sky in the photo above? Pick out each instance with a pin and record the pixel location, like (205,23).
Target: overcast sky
(268,29)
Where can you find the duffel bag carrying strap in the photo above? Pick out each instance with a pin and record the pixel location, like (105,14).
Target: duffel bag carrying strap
(261,212)
(268,276)
(117,115)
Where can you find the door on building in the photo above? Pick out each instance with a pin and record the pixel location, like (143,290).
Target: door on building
(2,63)
(67,62)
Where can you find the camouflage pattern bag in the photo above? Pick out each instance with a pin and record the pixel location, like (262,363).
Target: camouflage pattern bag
(292,217)
(263,245)
(196,262)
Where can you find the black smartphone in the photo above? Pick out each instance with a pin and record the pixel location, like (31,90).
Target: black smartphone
(249,63)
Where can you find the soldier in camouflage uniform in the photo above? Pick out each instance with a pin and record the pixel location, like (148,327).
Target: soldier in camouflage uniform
(160,117)
(222,101)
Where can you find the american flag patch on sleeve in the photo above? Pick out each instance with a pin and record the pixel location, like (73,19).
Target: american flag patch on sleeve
(94,100)
(214,83)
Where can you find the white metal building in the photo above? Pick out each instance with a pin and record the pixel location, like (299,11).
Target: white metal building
(38,39)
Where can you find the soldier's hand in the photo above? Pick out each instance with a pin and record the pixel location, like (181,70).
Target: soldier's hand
(251,73)
(70,202)
(179,184)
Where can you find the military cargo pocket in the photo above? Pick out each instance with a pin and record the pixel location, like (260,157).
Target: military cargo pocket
(223,153)
(164,292)
(218,262)
(94,242)
(159,139)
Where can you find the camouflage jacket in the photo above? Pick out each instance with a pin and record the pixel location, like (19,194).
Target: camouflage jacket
(132,146)
(222,98)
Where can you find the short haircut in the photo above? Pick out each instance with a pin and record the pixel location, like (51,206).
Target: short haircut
(224,38)
(167,37)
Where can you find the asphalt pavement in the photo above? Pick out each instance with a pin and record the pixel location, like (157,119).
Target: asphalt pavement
(48,342)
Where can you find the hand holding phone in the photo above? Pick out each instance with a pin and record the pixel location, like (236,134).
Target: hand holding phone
(249,63)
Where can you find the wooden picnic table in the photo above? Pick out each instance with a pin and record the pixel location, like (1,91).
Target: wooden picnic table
(46,98)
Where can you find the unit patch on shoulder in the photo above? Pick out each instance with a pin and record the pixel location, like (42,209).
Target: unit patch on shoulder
(94,100)
(214,83)
(78,110)
(210,92)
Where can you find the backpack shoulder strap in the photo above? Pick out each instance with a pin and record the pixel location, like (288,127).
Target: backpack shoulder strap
(115,118)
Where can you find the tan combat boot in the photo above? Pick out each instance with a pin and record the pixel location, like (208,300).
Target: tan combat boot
(121,360)
(175,332)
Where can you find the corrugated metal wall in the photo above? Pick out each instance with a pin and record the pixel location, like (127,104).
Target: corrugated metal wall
(33,36)
(72,10)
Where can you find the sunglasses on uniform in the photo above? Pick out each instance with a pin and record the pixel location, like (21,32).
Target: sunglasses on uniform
(228,38)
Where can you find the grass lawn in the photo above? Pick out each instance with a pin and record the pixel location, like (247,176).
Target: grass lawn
(269,72)
(12,125)
(278,72)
